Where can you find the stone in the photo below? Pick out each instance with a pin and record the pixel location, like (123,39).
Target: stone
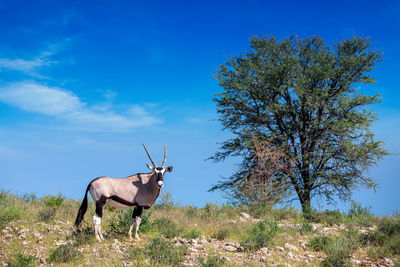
(230,248)
(388,262)
(263,250)
(355,261)
(281,249)
(288,246)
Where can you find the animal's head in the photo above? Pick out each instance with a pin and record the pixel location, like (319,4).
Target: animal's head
(159,171)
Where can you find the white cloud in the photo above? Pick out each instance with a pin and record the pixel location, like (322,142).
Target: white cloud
(66,106)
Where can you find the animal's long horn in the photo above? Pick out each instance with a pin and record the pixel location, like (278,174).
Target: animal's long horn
(165,155)
(152,161)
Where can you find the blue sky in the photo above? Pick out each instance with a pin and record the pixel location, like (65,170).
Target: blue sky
(83,84)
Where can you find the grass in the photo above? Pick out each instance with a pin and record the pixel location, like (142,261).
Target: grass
(64,254)
(260,235)
(52,217)
(158,251)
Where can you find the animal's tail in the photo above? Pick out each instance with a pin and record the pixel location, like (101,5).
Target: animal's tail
(82,209)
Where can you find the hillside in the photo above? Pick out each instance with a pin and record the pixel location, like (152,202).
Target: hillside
(40,232)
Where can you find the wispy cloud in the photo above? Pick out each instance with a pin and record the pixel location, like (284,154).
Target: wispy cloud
(29,67)
(67,107)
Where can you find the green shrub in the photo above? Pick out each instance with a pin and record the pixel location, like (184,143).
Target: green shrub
(162,251)
(83,236)
(338,252)
(191,211)
(306,227)
(328,217)
(64,254)
(120,224)
(260,235)
(389,227)
(259,211)
(9,208)
(29,197)
(47,214)
(211,261)
(222,234)
(167,227)
(319,243)
(53,201)
(192,233)
(165,201)
(137,256)
(23,261)
(357,210)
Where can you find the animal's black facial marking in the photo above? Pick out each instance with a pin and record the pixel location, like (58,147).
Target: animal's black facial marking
(159,168)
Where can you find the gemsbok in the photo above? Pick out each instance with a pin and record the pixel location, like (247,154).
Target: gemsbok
(138,190)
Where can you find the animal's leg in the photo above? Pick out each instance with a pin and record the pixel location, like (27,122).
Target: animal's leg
(97,218)
(137,212)
(138,219)
(131,225)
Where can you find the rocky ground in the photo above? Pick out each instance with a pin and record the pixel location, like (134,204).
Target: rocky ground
(36,239)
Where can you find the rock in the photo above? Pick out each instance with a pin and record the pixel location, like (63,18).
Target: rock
(263,251)
(42,260)
(24,243)
(281,249)
(355,262)
(310,256)
(263,259)
(8,236)
(388,262)
(288,246)
(230,248)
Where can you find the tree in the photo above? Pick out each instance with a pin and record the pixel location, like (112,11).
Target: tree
(304,98)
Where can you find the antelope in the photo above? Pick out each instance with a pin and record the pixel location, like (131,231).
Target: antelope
(138,191)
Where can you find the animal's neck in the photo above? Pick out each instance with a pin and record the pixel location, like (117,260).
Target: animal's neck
(153,186)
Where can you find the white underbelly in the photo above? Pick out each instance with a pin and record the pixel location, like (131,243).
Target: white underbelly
(115,204)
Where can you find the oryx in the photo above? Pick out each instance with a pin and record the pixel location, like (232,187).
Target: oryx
(139,190)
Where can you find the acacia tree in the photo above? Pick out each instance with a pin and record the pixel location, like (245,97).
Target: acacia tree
(306,96)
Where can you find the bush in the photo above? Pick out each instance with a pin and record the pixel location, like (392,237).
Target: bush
(121,223)
(167,227)
(357,210)
(192,233)
(53,201)
(338,252)
(161,251)
(211,261)
(306,227)
(64,254)
(319,243)
(165,201)
(328,217)
(137,256)
(29,197)
(23,261)
(191,211)
(83,236)
(222,234)
(47,214)
(9,210)
(260,235)
(389,227)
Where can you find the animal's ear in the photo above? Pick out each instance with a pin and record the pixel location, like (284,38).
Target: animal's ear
(148,166)
(168,169)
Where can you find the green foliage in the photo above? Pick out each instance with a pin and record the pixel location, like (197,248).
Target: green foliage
(120,224)
(47,214)
(357,210)
(64,254)
(338,252)
(53,201)
(83,236)
(29,197)
(300,95)
(222,234)
(260,235)
(328,217)
(306,227)
(385,239)
(137,256)
(167,227)
(165,201)
(160,252)
(319,243)
(23,261)
(9,209)
(211,261)
(192,233)
(191,211)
